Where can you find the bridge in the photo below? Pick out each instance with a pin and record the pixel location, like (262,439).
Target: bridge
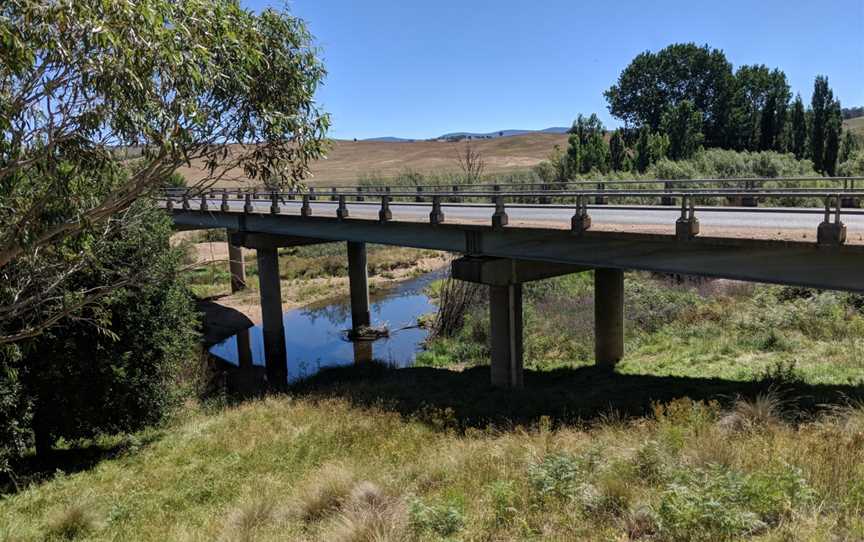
(509,234)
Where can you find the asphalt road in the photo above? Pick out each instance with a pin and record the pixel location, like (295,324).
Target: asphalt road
(723,218)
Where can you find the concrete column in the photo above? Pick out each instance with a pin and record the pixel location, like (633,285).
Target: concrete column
(505,305)
(237,267)
(359,286)
(271,314)
(608,316)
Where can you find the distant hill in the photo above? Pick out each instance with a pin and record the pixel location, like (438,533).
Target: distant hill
(503,133)
(347,160)
(856,125)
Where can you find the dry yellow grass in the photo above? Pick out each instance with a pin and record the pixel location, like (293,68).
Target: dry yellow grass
(349,160)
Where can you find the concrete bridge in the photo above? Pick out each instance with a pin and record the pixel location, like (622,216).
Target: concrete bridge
(506,242)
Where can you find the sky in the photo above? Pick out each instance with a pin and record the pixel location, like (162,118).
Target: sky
(422,68)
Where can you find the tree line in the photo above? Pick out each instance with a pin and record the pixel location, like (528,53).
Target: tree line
(685,97)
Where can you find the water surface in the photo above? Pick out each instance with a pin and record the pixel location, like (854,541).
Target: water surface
(315,336)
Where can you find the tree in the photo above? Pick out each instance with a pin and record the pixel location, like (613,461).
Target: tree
(822,106)
(799,129)
(177,81)
(471,163)
(617,151)
(759,106)
(643,151)
(587,149)
(81,381)
(849,148)
(834,127)
(655,82)
(682,124)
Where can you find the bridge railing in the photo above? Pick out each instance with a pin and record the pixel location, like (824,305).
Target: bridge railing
(826,201)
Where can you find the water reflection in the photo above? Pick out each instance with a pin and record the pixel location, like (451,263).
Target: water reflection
(315,338)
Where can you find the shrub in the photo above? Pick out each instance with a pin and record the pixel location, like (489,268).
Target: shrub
(116,367)
(442,519)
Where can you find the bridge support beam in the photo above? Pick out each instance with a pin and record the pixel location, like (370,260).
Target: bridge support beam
(504,278)
(275,354)
(359,286)
(505,317)
(237,266)
(608,316)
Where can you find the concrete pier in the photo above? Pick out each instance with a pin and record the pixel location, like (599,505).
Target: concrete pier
(505,316)
(271,315)
(237,267)
(359,286)
(608,316)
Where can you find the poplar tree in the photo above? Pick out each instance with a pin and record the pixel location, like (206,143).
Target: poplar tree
(617,152)
(643,150)
(820,105)
(799,129)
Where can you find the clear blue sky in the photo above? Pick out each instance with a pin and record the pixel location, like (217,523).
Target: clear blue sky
(420,68)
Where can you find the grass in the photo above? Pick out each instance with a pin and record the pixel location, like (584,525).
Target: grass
(324,468)
(738,414)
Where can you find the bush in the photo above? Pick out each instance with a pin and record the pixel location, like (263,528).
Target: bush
(116,366)
(443,520)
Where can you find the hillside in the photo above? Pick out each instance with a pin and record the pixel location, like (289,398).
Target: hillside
(349,160)
(855,125)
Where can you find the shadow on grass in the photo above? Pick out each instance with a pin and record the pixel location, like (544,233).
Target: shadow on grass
(568,395)
(78,457)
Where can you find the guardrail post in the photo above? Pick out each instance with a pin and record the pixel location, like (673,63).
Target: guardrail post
(580,221)
(333,196)
(687,226)
(360,194)
(499,217)
(306,209)
(437,215)
(601,200)
(185,202)
(667,200)
(342,210)
(274,203)
(544,199)
(204,205)
(385,215)
(225,207)
(849,202)
(831,233)
(749,201)
(247,207)
(312,195)
(419,198)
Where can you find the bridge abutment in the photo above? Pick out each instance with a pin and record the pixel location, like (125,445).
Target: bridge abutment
(608,316)
(358,278)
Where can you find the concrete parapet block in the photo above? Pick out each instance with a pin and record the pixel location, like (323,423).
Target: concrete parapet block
(831,234)
(686,228)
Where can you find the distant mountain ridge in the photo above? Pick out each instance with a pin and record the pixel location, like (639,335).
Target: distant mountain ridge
(479,135)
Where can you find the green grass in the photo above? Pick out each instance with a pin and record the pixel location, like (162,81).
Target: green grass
(318,468)
(736,415)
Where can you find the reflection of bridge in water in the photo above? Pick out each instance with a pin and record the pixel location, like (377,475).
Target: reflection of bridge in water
(531,232)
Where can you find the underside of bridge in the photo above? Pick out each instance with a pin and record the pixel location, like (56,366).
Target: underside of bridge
(504,259)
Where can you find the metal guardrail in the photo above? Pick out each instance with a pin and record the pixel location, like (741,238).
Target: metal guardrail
(687,226)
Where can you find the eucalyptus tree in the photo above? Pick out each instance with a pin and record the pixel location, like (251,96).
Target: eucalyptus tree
(100,102)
